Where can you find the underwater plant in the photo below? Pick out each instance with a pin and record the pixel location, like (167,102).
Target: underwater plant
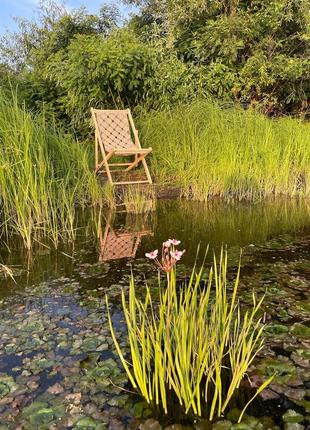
(195,344)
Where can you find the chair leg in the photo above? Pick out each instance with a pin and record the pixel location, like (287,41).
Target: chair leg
(139,159)
(100,165)
(147,172)
(96,150)
(105,161)
(135,163)
(107,168)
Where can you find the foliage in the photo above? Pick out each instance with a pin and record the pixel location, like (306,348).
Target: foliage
(100,72)
(27,51)
(210,151)
(43,174)
(254,52)
(139,199)
(194,344)
(35,40)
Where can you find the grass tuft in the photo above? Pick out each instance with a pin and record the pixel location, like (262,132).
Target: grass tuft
(139,199)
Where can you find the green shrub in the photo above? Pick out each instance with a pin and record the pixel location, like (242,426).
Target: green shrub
(98,72)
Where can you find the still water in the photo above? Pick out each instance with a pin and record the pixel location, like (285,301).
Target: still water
(58,367)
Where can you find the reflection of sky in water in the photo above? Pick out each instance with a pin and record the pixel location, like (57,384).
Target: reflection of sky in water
(58,306)
(101,258)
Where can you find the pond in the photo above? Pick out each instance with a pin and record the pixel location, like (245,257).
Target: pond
(58,366)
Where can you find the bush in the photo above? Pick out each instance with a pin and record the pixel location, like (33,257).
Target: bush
(96,72)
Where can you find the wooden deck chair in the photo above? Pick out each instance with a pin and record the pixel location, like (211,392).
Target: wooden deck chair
(116,135)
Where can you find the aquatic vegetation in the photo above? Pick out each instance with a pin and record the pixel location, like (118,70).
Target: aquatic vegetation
(209,151)
(139,199)
(169,256)
(7,271)
(59,351)
(194,344)
(44,174)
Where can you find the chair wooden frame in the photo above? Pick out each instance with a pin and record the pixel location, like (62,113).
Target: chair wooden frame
(124,142)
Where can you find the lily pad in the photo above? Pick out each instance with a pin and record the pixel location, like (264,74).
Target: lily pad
(87,423)
(41,414)
(292,416)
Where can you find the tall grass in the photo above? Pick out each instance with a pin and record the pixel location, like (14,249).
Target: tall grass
(194,345)
(44,174)
(210,151)
(139,199)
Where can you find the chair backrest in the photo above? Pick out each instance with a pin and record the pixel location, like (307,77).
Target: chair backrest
(114,129)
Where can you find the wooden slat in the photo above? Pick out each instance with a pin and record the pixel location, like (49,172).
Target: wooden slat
(131,182)
(132,151)
(120,164)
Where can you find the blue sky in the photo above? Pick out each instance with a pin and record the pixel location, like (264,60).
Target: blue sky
(26,9)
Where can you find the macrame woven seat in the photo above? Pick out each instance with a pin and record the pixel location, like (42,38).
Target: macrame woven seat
(114,130)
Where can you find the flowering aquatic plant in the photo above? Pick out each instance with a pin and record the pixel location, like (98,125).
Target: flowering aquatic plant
(190,340)
(169,255)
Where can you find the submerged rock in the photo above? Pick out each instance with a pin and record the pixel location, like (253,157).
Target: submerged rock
(150,424)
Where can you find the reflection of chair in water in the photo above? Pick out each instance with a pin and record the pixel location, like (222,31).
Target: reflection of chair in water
(122,243)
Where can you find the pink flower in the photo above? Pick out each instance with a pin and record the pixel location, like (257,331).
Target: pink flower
(174,242)
(176,255)
(169,255)
(167,244)
(152,255)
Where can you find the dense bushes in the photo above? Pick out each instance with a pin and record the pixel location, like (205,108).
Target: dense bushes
(255,53)
(94,71)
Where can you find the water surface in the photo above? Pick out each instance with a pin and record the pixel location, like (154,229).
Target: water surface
(58,366)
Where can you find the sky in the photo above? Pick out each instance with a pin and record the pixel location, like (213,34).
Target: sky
(26,9)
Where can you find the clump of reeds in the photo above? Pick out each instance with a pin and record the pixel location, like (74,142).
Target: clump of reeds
(210,151)
(139,199)
(195,344)
(44,175)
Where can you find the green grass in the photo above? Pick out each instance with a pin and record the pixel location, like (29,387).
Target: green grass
(44,176)
(209,151)
(139,199)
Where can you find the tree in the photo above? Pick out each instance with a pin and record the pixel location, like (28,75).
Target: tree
(27,51)
(254,51)
(93,71)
